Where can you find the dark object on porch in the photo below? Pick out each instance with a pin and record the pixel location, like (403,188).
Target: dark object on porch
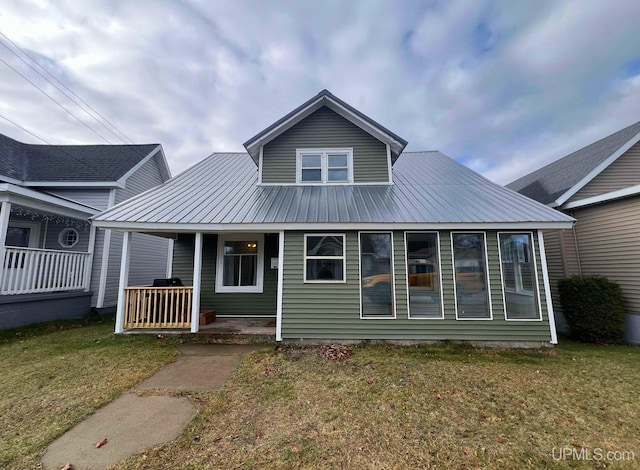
(169,282)
(207,316)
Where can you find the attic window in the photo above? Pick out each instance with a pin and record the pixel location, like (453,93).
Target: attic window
(324,166)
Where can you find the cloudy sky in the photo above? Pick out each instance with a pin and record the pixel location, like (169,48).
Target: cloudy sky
(502,86)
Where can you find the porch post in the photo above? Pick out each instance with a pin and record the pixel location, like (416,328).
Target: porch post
(280,285)
(5,212)
(197,271)
(89,265)
(547,288)
(124,280)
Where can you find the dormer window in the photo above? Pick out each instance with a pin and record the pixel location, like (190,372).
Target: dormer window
(324,166)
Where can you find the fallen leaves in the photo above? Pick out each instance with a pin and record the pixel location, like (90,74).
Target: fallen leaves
(335,352)
(101,442)
(69,466)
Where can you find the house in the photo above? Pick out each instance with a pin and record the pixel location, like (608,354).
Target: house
(326,224)
(55,264)
(599,185)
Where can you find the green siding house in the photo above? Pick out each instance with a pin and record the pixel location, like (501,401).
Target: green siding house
(328,226)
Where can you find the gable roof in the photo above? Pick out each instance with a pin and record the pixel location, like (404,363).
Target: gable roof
(325,98)
(221,193)
(69,163)
(556,182)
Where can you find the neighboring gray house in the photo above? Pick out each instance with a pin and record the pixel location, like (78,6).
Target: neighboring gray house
(55,264)
(599,185)
(326,225)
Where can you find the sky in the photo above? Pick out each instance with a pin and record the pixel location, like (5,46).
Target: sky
(504,87)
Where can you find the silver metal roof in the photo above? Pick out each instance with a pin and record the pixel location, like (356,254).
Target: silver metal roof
(429,188)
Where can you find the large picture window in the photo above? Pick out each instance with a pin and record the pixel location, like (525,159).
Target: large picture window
(240,264)
(423,275)
(324,259)
(324,166)
(470,276)
(376,275)
(517,264)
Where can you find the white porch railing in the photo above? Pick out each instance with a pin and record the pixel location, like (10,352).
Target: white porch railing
(32,270)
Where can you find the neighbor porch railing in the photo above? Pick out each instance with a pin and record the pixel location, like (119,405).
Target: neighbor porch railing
(158,307)
(33,270)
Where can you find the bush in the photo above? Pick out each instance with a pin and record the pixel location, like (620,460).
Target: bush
(593,308)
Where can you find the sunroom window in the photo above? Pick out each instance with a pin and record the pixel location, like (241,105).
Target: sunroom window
(324,259)
(518,276)
(470,276)
(240,264)
(324,166)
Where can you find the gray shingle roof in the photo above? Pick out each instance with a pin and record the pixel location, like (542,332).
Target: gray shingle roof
(550,182)
(68,163)
(429,187)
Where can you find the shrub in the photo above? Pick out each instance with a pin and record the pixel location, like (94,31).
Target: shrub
(593,308)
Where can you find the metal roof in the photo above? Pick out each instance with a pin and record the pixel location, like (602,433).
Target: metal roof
(429,187)
(551,182)
(69,163)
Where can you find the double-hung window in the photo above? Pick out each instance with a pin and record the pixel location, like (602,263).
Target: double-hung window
(240,266)
(324,259)
(324,166)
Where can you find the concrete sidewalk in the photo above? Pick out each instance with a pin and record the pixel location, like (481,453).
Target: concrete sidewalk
(132,423)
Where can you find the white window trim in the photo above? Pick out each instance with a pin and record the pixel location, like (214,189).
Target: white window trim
(324,166)
(393,276)
(535,272)
(343,258)
(34,232)
(63,232)
(406,262)
(258,288)
(486,275)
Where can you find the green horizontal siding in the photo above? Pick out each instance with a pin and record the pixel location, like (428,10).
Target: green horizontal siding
(238,304)
(325,129)
(332,311)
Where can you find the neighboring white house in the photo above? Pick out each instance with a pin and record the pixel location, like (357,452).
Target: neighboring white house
(55,264)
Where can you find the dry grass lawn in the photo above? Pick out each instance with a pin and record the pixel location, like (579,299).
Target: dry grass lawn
(438,406)
(55,375)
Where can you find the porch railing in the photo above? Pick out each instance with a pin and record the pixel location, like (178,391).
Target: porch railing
(33,270)
(158,307)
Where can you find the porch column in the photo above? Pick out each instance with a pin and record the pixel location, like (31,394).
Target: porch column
(124,280)
(197,277)
(547,289)
(280,285)
(89,266)
(5,212)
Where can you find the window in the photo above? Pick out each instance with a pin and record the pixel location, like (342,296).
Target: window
(376,276)
(23,234)
(68,238)
(240,266)
(324,259)
(324,166)
(519,285)
(470,276)
(423,275)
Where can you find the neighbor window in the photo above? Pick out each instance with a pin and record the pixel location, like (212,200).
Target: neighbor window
(324,166)
(519,276)
(240,263)
(423,275)
(68,238)
(324,259)
(470,276)
(376,275)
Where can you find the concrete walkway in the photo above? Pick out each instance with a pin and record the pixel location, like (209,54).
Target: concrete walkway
(132,423)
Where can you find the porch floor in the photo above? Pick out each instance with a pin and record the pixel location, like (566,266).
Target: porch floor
(241,326)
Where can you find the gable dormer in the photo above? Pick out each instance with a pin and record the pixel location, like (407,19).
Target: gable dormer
(325,141)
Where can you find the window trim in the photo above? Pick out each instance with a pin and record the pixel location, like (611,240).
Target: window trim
(222,238)
(487,276)
(535,271)
(343,258)
(62,234)
(324,162)
(34,230)
(393,276)
(406,263)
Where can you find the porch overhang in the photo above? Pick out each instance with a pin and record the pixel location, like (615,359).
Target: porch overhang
(44,202)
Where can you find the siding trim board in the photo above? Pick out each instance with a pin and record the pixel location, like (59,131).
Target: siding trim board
(535,280)
(406,263)
(547,290)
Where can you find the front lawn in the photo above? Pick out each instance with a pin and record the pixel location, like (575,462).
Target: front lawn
(437,406)
(55,375)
